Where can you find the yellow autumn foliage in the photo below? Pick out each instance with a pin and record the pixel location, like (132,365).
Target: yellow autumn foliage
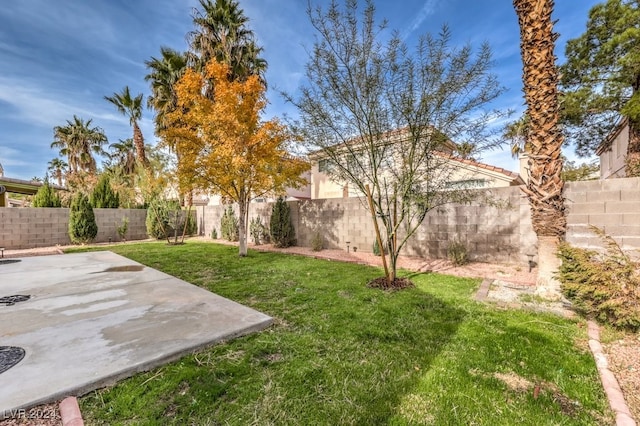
(222,145)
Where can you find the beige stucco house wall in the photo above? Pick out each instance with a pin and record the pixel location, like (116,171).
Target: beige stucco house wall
(480,174)
(613,151)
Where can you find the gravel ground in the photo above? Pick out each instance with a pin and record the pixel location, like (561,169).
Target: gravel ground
(624,360)
(623,354)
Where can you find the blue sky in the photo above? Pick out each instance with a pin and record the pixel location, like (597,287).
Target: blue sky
(60,58)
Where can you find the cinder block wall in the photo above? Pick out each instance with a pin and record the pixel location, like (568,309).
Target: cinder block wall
(612,205)
(498,233)
(22,228)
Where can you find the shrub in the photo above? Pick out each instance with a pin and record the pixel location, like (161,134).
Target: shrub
(192,226)
(317,242)
(603,286)
(258,231)
(283,234)
(160,214)
(82,221)
(122,228)
(376,248)
(457,253)
(46,196)
(229,225)
(103,196)
(214,234)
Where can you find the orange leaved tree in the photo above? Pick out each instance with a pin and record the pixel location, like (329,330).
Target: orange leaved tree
(222,144)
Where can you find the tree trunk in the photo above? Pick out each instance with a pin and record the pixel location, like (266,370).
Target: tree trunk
(138,141)
(632,162)
(544,139)
(243,206)
(547,286)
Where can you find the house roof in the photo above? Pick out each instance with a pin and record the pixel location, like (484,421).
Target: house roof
(485,166)
(28,187)
(515,178)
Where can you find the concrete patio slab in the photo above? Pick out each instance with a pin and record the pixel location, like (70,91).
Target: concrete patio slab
(95,318)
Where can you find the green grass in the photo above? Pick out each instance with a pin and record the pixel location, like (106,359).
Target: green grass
(341,353)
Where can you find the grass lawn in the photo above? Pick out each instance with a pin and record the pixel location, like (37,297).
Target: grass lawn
(341,353)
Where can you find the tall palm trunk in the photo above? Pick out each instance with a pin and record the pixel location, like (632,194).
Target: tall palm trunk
(544,138)
(138,141)
(632,166)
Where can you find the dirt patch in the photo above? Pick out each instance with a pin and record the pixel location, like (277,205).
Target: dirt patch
(514,382)
(384,284)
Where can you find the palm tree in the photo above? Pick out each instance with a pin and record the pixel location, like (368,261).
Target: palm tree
(516,133)
(132,108)
(164,73)
(221,34)
(58,168)
(78,141)
(123,154)
(543,137)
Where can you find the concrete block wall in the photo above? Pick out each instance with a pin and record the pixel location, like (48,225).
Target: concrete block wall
(496,231)
(612,205)
(500,232)
(108,220)
(23,228)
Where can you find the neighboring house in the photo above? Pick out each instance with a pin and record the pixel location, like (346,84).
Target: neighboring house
(464,173)
(291,194)
(19,186)
(613,152)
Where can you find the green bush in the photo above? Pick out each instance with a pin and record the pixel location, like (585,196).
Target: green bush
(160,215)
(103,196)
(283,234)
(192,226)
(457,253)
(214,234)
(317,242)
(82,221)
(603,286)
(122,228)
(229,225)
(376,248)
(258,231)
(46,196)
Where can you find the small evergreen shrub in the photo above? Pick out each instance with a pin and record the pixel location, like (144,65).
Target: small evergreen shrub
(229,225)
(192,226)
(160,215)
(457,253)
(122,228)
(82,221)
(283,234)
(103,196)
(46,196)
(214,234)
(258,231)
(376,248)
(317,242)
(603,286)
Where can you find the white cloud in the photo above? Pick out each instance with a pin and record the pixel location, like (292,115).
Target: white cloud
(427,10)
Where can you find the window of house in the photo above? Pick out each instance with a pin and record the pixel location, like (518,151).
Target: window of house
(467,183)
(324,165)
